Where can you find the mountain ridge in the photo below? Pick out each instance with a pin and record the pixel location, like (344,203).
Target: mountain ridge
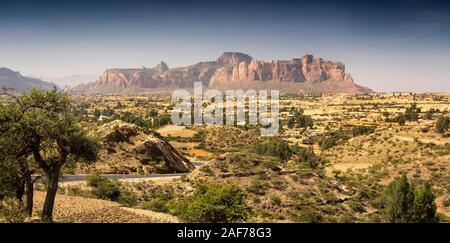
(231,70)
(14,80)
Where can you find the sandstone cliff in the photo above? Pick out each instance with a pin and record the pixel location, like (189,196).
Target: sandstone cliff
(232,70)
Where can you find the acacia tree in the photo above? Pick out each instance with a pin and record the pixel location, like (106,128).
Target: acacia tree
(46,129)
(55,137)
(15,169)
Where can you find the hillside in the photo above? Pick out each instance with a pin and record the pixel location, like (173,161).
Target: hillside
(11,79)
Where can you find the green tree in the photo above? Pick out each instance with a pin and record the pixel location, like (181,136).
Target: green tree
(424,209)
(15,169)
(48,131)
(399,200)
(215,203)
(407,204)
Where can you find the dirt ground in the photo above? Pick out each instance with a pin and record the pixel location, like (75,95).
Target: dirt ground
(69,209)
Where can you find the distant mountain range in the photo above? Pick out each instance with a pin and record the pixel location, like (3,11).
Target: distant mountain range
(69,81)
(231,70)
(12,79)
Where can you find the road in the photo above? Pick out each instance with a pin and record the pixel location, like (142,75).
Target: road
(82,177)
(69,179)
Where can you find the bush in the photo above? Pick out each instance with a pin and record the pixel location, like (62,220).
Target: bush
(442,124)
(111,190)
(327,143)
(301,120)
(274,147)
(401,119)
(127,198)
(157,205)
(107,189)
(275,200)
(257,187)
(362,130)
(309,214)
(215,203)
(94,180)
(306,156)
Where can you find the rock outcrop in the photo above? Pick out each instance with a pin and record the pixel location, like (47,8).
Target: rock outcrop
(233,70)
(127,149)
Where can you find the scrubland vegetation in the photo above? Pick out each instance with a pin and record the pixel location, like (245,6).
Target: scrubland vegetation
(337,158)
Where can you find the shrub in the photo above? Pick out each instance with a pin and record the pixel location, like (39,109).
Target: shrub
(107,190)
(127,198)
(157,205)
(306,156)
(309,215)
(412,112)
(215,203)
(274,147)
(327,143)
(442,124)
(257,187)
(275,200)
(94,179)
(401,119)
(362,130)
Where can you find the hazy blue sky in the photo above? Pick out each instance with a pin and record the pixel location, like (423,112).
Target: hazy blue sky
(386,45)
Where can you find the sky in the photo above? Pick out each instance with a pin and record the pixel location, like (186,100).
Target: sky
(385,45)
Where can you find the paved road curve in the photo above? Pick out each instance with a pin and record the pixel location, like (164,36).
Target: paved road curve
(82,177)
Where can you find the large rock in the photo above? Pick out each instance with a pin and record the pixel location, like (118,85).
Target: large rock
(233,70)
(127,149)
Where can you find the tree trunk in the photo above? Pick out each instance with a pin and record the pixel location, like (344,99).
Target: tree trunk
(29,195)
(20,189)
(52,188)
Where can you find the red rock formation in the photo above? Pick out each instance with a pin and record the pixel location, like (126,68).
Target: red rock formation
(234,70)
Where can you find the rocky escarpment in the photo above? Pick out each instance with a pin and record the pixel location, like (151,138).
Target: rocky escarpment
(233,70)
(305,69)
(127,149)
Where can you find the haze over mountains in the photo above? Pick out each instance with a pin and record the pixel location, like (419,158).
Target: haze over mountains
(231,70)
(14,80)
(69,81)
